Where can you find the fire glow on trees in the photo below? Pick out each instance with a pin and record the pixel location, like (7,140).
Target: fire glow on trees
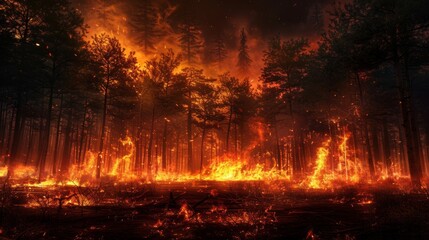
(100,99)
(151,92)
(322,176)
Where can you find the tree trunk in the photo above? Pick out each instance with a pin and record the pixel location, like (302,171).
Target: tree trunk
(144,153)
(164,146)
(17,133)
(65,161)
(228,130)
(149,148)
(375,144)
(177,151)
(386,149)
(408,123)
(103,131)
(403,163)
(235,138)
(202,148)
(139,141)
(364,124)
(82,136)
(190,138)
(10,135)
(47,134)
(278,157)
(30,143)
(57,138)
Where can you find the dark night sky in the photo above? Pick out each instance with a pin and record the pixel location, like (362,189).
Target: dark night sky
(261,18)
(267,17)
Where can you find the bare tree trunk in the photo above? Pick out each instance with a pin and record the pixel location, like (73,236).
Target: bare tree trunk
(144,152)
(156,152)
(45,144)
(103,130)
(364,123)
(177,151)
(3,110)
(30,143)
(235,138)
(386,149)
(202,148)
(376,144)
(17,133)
(57,137)
(1,125)
(228,130)
(65,161)
(164,146)
(403,163)
(82,136)
(278,157)
(427,149)
(190,137)
(407,108)
(10,135)
(288,158)
(149,148)
(139,141)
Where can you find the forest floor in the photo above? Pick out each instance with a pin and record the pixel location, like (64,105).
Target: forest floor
(212,210)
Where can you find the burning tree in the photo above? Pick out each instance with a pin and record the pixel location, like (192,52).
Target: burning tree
(167,91)
(110,56)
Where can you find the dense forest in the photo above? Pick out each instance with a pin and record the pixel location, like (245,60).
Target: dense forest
(122,89)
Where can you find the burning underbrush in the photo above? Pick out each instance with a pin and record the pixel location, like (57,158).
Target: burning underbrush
(217,222)
(334,167)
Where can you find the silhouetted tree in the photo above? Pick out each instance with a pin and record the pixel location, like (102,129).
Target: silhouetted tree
(207,112)
(219,51)
(143,21)
(166,90)
(190,42)
(244,61)
(109,54)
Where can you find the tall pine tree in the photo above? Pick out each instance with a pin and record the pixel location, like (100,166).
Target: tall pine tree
(190,42)
(219,51)
(143,22)
(244,60)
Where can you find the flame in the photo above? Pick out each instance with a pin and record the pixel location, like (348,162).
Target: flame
(19,172)
(3,171)
(319,178)
(334,166)
(124,164)
(348,171)
(230,169)
(185,212)
(84,174)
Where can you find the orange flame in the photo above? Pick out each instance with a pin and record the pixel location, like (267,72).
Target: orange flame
(318,178)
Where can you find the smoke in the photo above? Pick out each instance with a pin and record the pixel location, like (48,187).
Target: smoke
(261,20)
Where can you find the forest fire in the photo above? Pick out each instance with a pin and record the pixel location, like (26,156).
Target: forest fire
(345,172)
(156,119)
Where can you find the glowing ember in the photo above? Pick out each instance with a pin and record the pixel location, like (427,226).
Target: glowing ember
(185,212)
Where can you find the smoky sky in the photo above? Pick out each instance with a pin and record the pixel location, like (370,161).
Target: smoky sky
(261,19)
(266,17)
